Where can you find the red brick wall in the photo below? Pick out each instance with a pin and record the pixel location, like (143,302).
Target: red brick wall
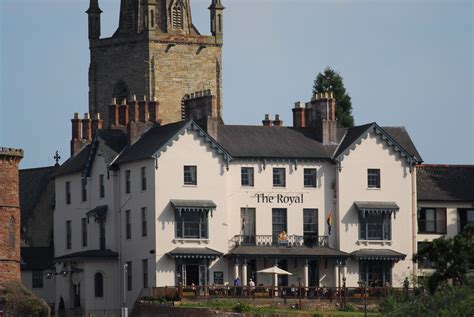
(9,210)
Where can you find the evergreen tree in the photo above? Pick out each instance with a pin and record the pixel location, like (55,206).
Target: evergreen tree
(331,80)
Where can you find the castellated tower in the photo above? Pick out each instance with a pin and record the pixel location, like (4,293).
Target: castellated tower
(9,214)
(156,54)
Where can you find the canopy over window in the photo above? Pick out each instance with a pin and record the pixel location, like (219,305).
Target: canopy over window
(193,206)
(195,253)
(378,255)
(376,207)
(99,212)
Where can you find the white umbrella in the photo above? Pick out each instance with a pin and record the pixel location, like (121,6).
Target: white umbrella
(275,270)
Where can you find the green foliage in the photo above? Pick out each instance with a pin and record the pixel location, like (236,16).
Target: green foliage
(453,257)
(331,80)
(348,308)
(21,302)
(448,300)
(242,308)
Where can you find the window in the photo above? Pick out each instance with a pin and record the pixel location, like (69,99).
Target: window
(192,225)
(144,222)
(145,273)
(375,273)
(129,276)
(84,189)
(279,223)
(177,16)
(11,229)
(466,217)
(373,178)
(374,227)
(143,174)
(310,227)
(84,231)
(309,177)
(190,175)
(99,284)
(432,220)
(68,193)
(127,181)
(425,264)
(68,234)
(101,186)
(128,224)
(246,174)
(279,177)
(37,279)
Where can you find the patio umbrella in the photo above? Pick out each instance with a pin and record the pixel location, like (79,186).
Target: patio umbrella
(275,270)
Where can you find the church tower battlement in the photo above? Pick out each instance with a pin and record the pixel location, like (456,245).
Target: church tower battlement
(157,53)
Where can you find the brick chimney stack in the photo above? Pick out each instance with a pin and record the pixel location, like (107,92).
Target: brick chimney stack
(267,122)
(97,123)
(277,122)
(87,128)
(299,115)
(9,214)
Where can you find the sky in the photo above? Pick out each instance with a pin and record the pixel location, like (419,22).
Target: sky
(404,63)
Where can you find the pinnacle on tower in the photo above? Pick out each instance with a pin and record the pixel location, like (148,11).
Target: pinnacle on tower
(94,19)
(217,20)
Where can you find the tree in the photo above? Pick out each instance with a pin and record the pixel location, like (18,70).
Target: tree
(330,80)
(453,257)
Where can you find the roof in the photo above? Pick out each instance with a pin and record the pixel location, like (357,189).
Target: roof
(279,251)
(397,137)
(37,258)
(89,254)
(194,253)
(376,207)
(445,182)
(270,142)
(33,182)
(378,254)
(98,212)
(201,204)
(110,141)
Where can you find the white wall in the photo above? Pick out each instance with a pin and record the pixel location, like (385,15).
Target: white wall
(47,292)
(372,152)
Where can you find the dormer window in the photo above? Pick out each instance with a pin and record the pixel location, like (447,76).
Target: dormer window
(177,16)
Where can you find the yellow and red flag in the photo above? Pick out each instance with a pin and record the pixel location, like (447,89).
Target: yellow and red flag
(329,220)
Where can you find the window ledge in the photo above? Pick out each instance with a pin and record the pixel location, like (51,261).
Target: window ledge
(374,188)
(189,240)
(374,242)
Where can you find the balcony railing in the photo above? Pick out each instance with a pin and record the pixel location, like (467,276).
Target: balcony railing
(291,241)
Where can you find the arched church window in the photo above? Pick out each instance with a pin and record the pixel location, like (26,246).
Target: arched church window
(12,233)
(121,92)
(99,284)
(177,16)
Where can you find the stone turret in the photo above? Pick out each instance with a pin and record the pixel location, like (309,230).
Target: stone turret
(217,20)
(93,14)
(9,214)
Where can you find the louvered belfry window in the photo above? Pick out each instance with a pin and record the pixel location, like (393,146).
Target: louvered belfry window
(130,17)
(177,16)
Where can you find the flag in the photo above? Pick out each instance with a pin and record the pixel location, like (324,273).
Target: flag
(329,221)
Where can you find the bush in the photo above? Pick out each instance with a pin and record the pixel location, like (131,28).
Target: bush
(242,308)
(19,301)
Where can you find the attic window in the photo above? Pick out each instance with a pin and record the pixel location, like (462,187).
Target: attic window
(177,16)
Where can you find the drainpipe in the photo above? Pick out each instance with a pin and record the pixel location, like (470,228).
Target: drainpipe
(414,216)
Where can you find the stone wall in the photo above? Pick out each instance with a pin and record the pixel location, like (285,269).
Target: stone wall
(9,214)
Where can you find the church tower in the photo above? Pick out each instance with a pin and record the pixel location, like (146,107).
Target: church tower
(156,54)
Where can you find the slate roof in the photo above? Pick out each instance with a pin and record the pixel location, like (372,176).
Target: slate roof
(270,142)
(150,142)
(37,258)
(33,182)
(398,134)
(278,251)
(89,254)
(111,142)
(445,182)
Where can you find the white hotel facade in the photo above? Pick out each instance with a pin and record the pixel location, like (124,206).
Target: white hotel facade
(179,206)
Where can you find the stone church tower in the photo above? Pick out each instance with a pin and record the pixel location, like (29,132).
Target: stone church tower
(156,54)
(9,214)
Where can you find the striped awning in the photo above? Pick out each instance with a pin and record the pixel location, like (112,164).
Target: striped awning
(193,206)
(378,255)
(194,253)
(376,207)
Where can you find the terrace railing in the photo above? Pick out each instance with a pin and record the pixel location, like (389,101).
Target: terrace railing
(290,241)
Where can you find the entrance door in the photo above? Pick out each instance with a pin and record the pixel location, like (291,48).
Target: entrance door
(77,295)
(313,273)
(191,274)
(247,216)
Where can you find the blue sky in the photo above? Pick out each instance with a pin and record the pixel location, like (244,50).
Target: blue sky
(404,63)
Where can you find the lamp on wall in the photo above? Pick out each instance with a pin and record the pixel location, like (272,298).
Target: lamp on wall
(63,270)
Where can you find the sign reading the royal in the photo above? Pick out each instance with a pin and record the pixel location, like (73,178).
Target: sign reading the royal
(263,198)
